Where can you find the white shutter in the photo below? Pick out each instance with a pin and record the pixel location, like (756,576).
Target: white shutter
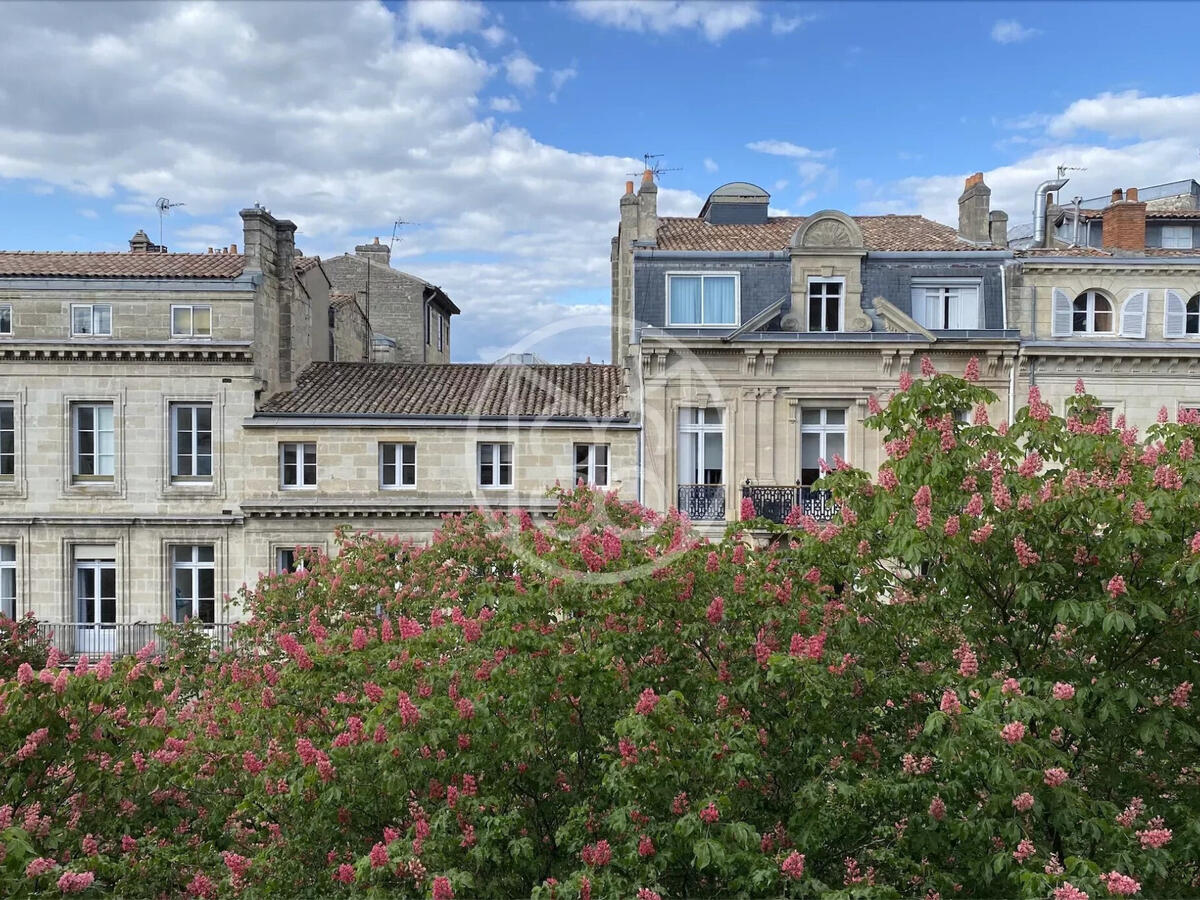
(933,309)
(964,306)
(1175,315)
(1133,315)
(1061,320)
(918,306)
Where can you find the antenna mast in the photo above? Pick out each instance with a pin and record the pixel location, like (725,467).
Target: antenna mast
(654,168)
(396,231)
(164,207)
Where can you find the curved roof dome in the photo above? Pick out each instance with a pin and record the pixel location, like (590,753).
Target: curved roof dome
(741,190)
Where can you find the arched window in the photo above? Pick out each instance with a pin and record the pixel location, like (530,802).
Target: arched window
(1092,313)
(1192,317)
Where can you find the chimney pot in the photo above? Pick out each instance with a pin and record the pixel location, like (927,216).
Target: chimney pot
(974,205)
(1124,223)
(376,241)
(647,177)
(233,248)
(629,187)
(973,180)
(1116,196)
(210,249)
(1131,195)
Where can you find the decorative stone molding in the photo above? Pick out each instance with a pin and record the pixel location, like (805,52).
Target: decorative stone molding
(769,359)
(828,228)
(897,321)
(750,362)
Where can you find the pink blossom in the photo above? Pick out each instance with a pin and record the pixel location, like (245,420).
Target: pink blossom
(1120,885)
(1068,891)
(1116,587)
(748,511)
(968,663)
(975,506)
(40,866)
(679,805)
(203,886)
(1179,695)
(379,856)
(25,670)
(1063,691)
(937,808)
(716,610)
(1055,777)
(950,705)
(597,854)
(710,814)
(951,527)
(75,882)
(1011,686)
(906,381)
(442,889)
(981,534)
(793,866)
(1131,813)
(1024,850)
(646,702)
(971,372)
(466,709)
(1155,836)
(1023,802)
(873,406)
(645,847)
(1026,555)
(409,714)
(1013,732)
(927,369)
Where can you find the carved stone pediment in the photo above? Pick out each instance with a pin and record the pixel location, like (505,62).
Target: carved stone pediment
(827,234)
(828,229)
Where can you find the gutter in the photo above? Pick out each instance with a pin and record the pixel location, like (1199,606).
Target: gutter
(1139,261)
(371,420)
(712,254)
(940,254)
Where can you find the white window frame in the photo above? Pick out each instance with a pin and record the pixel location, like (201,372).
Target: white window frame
(441,324)
(195,456)
(303,451)
(590,465)
(1191,316)
(822,430)
(191,310)
(6,320)
(737,299)
(191,569)
(93,311)
(11,431)
(297,560)
(947,284)
(399,449)
(77,475)
(492,449)
(1090,312)
(701,429)
(840,281)
(8,574)
(1181,237)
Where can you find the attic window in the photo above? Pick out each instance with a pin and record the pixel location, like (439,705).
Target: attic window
(697,299)
(1177,237)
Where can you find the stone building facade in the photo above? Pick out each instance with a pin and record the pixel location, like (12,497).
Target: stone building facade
(172,425)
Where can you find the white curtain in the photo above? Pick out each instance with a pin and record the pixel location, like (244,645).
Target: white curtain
(719,306)
(685,300)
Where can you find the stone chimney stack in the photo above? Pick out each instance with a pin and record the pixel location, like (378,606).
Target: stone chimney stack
(998,226)
(376,252)
(973,208)
(1124,223)
(647,197)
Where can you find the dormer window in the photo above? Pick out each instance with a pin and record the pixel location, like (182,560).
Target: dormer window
(1091,313)
(945,306)
(699,299)
(825,304)
(1177,237)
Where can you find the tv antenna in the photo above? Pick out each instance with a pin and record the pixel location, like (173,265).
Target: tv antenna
(164,207)
(1063,170)
(396,231)
(654,168)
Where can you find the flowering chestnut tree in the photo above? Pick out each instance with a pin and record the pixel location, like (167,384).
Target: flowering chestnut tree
(975,681)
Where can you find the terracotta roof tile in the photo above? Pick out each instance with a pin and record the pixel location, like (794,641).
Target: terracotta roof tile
(456,389)
(895,233)
(1150,213)
(338,299)
(120,265)
(302,264)
(1096,252)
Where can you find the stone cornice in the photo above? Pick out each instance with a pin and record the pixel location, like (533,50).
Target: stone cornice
(107,352)
(400,508)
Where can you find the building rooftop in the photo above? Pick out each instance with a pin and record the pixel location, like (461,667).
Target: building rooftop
(60,264)
(462,390)
(880,233)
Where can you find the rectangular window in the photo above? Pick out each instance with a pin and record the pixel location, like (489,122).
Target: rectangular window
(591,464)
(95,600)
(6,320)
(194,582)
(940,307)
(8,441)
(495,465)
(91,319)
(8,580)
(291,559)
(297,466)
(191,321)
(93,442)
(702,299)
(822,437)
(701,446)
(191,442)
(1177,237)
(824,305)
(397,466)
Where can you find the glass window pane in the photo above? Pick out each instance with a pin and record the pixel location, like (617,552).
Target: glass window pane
(206,553)
(505,474)
(8,552)
(581,454)
(688,415)
(5,320)
(835,416)
(810,417)
(181,320)
(505,454)
(835,443)
(202,321)
(409,452)
(719,300)
(601,453)
(1103,321)
(81,319)
(685,300)
(713,461)
(102,319)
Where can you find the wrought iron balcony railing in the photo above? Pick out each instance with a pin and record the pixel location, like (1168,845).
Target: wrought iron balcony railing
(702,502)
(774,502)
(97,639)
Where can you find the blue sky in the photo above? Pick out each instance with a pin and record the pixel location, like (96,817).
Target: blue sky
(506,130)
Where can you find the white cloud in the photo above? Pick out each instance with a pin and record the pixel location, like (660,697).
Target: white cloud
(710,165)
(1133,140)
(443,17)
(713,19)
(520,70)
(787,148)
(494,35)
(388,125)
(558,78)
(788,24)
(88,213)
(1010,31)
(505,104)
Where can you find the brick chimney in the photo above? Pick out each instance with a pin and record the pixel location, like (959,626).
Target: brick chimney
(141,243)
(377,252)
(1124,223)
(647,196)
(973,207)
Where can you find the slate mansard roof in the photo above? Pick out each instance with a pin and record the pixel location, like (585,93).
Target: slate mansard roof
(17,264)
(459,390)
(880,233)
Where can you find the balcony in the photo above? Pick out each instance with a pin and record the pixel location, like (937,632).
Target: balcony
(73,639)
(774,502)
(702,502)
